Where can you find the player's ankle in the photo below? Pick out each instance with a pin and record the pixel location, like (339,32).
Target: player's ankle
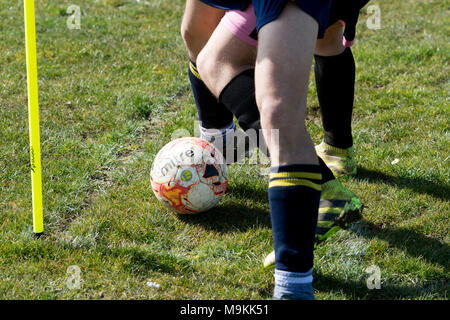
(336,150)
(293,285)
(212,134)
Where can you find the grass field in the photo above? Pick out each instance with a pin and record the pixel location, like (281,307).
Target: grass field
(112,93)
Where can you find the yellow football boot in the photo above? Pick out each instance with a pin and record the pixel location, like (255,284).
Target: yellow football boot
(340,161)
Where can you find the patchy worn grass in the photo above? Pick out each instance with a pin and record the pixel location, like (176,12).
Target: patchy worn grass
(112,93)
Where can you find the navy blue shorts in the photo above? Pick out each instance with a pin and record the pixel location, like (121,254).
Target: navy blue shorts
(268,10)
(228,4)
(346,11)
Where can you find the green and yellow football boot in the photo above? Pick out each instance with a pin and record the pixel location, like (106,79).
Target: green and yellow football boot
(338,208)
(340,161)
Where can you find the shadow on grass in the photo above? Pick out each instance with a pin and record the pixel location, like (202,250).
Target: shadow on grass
(248,191)
(229,216)
(418,185)
(410,241)
(141,261)
(357,289)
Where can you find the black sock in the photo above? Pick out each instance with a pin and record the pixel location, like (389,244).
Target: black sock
(239,97)
(335,82)
(211,113)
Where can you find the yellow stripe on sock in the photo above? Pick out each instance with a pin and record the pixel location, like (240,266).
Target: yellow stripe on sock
(325,224)
(305,175)
(194,70)
(293,183)
(331,210)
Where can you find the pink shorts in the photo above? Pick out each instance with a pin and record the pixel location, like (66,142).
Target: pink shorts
(242,24)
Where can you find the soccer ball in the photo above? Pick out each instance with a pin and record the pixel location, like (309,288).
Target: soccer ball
(189,175)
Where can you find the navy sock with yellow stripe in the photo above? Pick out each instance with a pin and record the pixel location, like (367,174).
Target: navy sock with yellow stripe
(294,195)
(211,113)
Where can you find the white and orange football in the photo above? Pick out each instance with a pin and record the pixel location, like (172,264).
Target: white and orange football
(189,175)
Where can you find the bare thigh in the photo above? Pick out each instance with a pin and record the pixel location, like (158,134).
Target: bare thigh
(331,43)
(198,24)
(285,51)
(224,57)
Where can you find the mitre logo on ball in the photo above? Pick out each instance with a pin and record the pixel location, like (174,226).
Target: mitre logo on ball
(189,175)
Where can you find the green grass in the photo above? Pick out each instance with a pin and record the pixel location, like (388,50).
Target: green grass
(112,93)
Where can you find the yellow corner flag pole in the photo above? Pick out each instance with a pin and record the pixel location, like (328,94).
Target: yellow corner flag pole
(33,117)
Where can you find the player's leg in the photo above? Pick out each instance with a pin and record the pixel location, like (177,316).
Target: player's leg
(339,206)
(226,64)
(199,22)
(285,51)
(335,82)
(224,57)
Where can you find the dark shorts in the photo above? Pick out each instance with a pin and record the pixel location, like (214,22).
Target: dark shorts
(228,4)
(242,23)
(268,10)
(346,12)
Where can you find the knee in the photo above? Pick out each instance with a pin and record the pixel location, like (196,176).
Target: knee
(191,39)
(328,49)
(331,44)
(195,35)
(186,35)
(207,67)
(190,32)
